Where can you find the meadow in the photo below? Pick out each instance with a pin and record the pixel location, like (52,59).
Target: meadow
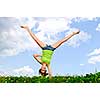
(88,78)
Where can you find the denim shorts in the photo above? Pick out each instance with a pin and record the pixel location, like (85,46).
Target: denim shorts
(48,47)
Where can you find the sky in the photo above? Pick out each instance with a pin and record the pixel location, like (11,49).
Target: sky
(78,56)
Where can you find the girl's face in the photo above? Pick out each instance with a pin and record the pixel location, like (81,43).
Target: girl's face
(43,68)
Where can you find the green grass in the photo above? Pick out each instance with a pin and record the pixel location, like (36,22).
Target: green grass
(88,78)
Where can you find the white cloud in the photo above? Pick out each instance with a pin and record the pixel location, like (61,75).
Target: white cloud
(95,52)
(2,73)
(82,64)
(53,25)
(78,39)
(14,40)
(24,71)
(78,19)
(49,28)
(94,56)
(98,27)
(94,59)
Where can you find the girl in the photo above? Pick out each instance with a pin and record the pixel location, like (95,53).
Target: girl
(47,51)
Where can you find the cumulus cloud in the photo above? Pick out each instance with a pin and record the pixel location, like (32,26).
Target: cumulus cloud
(98,27)
(24,71)
(94,56)
(53,25)
(2,73)
(49,28)
(94,59)
(78,19)
(21,71)
(95,52)
(14,40)
(82,64)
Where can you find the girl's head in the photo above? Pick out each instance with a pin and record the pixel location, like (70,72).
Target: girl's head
(43,70)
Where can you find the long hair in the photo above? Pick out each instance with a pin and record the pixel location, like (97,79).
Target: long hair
(43,74)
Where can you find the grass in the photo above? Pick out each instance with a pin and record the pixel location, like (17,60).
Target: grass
(88,78)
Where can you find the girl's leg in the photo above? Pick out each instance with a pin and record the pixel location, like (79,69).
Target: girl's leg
(57,44)
(40,43)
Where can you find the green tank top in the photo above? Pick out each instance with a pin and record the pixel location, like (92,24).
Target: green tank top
(46,56)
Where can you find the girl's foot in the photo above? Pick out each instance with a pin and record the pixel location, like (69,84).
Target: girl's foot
(77,32)
(24,26)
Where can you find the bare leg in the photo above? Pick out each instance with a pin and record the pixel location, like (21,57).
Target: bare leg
(40,43)
(57,44)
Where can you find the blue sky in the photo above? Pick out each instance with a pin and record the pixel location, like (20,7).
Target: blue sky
(77,56)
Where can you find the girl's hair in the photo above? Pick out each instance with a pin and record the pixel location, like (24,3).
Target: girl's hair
(43,74)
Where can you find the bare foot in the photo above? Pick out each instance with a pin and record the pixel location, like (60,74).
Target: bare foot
(24,26)
(77,32)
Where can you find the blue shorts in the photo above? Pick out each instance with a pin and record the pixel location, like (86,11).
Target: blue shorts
(48,47)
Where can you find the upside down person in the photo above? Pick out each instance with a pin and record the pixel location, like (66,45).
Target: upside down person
(47,51)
